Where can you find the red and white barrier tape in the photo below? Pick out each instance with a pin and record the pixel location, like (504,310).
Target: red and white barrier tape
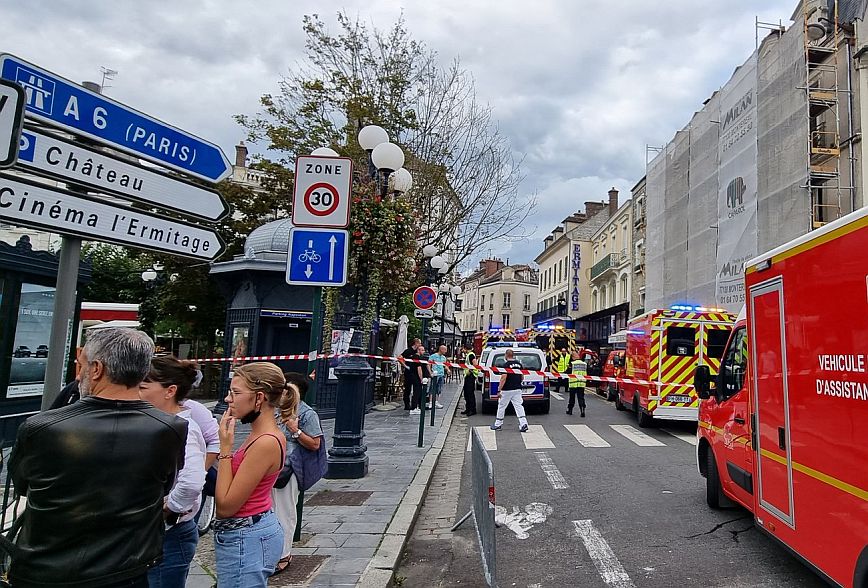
(313,356)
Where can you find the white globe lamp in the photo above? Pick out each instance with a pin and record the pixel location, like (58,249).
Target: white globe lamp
(429,251)
(401,180)
(371,136)
(387,157)
(324,152)
(437,262)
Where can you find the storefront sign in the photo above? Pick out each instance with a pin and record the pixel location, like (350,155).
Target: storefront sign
(299,314)
(577,264)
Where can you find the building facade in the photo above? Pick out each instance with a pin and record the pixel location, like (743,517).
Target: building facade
(565,262)
(611,274)
(498,296)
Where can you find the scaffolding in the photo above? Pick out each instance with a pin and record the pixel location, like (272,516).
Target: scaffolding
(824,121)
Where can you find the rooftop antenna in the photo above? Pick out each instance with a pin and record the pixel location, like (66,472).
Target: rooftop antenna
(107,74)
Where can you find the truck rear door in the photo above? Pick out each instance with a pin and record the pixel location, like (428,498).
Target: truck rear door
(679,352)
(771,400)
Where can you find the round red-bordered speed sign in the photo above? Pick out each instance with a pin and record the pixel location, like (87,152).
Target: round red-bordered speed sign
(424,297)
(321,199)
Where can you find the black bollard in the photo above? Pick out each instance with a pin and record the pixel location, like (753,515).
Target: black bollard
(347,458)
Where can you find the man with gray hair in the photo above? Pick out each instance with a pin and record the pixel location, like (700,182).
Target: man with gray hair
(95,474)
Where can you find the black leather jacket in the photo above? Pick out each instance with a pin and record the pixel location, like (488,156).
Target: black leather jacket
(94,474)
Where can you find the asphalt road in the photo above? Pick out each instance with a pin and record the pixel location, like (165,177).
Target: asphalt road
(628,512)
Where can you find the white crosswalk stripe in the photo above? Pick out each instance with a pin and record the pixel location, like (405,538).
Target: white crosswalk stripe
(586,436)
(637,437)
(556,396)
(686,437)
(536,438)
(489,440)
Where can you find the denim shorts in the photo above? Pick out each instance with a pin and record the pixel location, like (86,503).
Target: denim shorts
(246,557)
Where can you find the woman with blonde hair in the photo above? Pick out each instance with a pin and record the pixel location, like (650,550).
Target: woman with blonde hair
(248,537)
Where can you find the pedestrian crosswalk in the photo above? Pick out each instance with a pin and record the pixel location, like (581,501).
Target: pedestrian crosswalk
(537,437)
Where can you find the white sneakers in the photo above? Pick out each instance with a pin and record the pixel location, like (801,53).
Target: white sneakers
(438,405)
(415,411)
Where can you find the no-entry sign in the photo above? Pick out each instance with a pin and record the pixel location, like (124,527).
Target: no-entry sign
(322,191)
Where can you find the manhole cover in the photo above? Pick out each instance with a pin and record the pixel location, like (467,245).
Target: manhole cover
(300,570)
(339,498)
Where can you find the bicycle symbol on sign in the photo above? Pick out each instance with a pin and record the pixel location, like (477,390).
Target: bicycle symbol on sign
(309,255)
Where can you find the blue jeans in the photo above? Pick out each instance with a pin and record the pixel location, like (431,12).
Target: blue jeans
(247,556)
(179,546)
(436,386)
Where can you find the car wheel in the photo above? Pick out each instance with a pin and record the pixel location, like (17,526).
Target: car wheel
(643,418)
(618,404)
(713,489)
(545,406)
(613,393)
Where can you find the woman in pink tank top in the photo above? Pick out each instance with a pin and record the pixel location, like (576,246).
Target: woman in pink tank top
(248,538)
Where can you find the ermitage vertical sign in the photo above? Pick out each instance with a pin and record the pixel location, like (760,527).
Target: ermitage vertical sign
(577,265)
(737,177)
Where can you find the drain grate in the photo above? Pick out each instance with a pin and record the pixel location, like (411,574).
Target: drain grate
(338,498)
(300,570)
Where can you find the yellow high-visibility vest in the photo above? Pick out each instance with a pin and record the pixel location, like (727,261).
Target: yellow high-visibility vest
(580,368)
(469,361)
(563,363)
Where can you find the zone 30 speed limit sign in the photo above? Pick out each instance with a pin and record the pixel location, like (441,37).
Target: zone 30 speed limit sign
(322,191)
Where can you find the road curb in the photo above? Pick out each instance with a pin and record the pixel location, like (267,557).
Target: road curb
(382,566)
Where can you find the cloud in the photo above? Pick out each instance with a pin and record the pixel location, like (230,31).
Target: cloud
(579,88)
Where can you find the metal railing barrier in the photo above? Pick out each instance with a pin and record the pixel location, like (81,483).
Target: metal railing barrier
(483,499)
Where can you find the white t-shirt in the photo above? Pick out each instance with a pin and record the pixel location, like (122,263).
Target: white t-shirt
(186,495)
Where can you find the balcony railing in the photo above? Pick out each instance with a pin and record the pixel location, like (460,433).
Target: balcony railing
(611,261)
(558,310)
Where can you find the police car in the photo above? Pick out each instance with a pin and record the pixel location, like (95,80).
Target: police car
(535,387)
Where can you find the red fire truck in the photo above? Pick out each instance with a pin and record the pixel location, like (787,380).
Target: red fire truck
(664,347)
(783,427)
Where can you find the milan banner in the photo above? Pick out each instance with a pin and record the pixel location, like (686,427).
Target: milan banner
(737,184)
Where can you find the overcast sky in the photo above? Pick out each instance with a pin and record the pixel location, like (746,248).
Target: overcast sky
(579,86)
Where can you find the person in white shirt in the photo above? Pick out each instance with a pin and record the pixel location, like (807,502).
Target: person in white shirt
(207,424)
(166,387)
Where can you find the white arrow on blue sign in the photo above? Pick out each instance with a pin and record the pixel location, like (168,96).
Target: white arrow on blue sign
(58,102)
(317,257)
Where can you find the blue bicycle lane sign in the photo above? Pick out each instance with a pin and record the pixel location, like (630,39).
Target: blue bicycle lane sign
(317,257)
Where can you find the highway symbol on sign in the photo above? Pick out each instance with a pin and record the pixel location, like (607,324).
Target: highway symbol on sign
(58,102)
(322,191)
(12,100)
(424,297)
(37,205)
(317,257)
(64,160)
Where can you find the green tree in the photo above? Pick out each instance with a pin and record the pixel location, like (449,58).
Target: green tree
(117,274)
(465,178)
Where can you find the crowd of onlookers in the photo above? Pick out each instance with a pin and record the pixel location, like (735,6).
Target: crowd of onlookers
(113,477)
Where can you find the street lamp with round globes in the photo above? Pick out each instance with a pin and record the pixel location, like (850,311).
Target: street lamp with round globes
(149,275)
(402,181)
(456,290)
(324,152)
(429,251)
(445,287)
(387,157)
(437,262)
(371,136)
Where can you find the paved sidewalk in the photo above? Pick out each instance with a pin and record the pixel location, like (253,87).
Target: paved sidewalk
(435,557)
(359,544)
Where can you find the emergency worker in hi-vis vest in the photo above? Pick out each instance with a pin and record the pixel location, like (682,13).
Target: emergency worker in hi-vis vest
(577,385)
(562,366)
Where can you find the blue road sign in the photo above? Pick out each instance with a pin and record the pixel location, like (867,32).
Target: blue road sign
(61,103)
(317,257)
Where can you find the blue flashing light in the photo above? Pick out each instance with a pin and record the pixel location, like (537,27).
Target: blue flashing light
(695,308)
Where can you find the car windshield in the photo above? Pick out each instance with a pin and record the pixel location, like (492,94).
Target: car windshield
(529,361)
